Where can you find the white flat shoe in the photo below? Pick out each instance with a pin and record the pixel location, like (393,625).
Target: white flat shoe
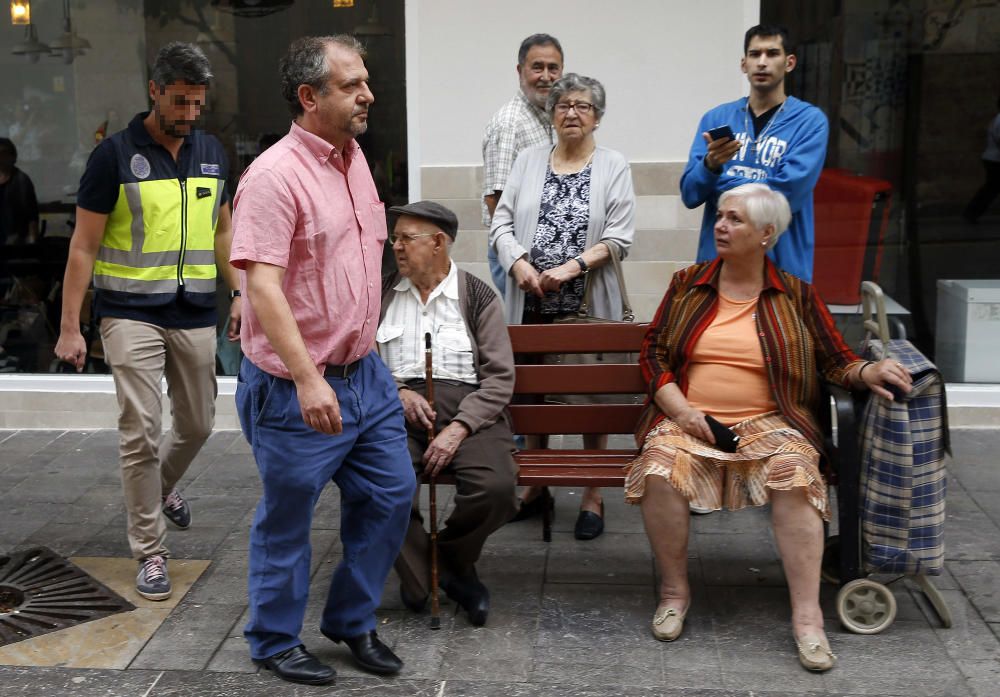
(815,653)
(668,623)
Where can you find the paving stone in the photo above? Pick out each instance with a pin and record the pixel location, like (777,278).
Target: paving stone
(96,508)
(219,510)
(574,615)
(973,462)
(982,677)
(988,502)
(197,542)
(571,634)
(37,460)
(224,583)
(979,581)
(108,541)
(62,682)
(738,559)
(501,651)
(612,558)
(228,472)
(754,641)
(233,655)
(52,487)
(906,659)
(968,637)
(969,534)
(62,538)
(264,684)
(188,637)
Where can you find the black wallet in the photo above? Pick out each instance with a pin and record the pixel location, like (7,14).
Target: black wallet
(725,439)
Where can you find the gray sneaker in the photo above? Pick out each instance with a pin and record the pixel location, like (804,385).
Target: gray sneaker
(152,582)
(177,510)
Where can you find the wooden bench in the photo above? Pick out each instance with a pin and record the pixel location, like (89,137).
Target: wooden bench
(565,467)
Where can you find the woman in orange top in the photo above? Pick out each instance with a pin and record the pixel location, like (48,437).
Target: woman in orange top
(743,342)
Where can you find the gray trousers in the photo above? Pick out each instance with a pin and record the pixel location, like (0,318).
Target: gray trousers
(485,498)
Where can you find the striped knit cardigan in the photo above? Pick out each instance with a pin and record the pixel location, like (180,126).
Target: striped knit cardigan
(797,336)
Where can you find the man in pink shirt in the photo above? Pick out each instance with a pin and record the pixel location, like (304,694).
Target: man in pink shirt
(315,401)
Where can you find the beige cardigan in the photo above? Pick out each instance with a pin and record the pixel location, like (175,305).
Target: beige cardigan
(612,221)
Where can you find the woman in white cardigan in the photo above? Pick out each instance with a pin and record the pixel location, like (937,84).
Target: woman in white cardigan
(564,210)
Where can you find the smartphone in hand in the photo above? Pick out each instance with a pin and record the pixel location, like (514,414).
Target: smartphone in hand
(725,439)
(721,132)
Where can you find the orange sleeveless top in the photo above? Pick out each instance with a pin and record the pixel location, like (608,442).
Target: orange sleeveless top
(726,375)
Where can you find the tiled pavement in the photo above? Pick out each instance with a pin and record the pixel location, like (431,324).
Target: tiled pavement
(569,618)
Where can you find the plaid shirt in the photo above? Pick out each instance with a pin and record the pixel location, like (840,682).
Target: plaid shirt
(797,336)
(518,125)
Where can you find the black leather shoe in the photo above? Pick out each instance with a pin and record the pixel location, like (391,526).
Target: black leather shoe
(534,507)
(369,653)
(415,604)
(298,665)
(589,525)
(470,593)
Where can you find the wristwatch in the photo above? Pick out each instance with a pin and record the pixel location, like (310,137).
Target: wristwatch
(583,265)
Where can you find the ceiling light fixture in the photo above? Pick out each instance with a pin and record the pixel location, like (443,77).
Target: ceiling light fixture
(69,45)
(31,48)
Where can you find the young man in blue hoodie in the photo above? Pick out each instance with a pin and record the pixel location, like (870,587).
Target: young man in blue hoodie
(778,140)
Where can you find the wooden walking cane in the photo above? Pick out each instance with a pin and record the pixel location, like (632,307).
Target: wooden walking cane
(429,379)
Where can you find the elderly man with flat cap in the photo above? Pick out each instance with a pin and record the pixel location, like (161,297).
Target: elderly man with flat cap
(473,373)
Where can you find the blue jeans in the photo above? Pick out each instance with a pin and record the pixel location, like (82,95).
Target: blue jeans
(368,461)
(496,271)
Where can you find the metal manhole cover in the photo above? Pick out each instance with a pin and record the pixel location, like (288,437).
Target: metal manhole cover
(40,592)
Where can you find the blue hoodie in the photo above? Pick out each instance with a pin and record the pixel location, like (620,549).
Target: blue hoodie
(789,160)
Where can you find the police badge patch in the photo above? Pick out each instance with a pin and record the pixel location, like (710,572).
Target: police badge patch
(209,169)
(140,166)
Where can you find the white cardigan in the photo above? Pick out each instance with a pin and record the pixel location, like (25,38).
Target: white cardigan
(612,220)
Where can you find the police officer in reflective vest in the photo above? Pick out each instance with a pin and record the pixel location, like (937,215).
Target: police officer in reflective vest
(153,226)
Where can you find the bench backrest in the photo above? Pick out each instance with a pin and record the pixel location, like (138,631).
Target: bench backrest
(603,378)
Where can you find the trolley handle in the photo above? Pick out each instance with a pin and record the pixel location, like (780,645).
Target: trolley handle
(871,294)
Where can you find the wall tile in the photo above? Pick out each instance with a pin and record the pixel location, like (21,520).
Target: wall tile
(468,210)
(689,218)
(663,245)
(451,182)
(656,212)
(657,178)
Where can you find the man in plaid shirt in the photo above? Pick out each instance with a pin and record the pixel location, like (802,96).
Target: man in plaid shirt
(521,123)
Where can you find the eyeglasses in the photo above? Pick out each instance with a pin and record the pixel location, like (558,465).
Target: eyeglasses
(406,239)
(581,108)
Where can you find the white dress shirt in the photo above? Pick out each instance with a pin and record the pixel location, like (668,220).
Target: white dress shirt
(400,337)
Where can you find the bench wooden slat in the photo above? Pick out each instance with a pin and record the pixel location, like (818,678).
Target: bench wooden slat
(579,458)
(540,419)
(577,338)
(572,476)
(579,379)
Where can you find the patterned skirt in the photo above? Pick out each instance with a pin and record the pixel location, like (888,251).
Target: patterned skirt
(771,455)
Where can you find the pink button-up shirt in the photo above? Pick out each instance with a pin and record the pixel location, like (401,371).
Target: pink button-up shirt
(313,210)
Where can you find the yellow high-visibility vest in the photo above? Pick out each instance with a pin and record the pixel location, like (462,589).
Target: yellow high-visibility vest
(160,235)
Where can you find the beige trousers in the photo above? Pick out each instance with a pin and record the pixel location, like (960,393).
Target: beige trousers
(152,462)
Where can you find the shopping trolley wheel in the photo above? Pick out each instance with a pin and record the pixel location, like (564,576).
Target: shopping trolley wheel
(865,606)
(830,571)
